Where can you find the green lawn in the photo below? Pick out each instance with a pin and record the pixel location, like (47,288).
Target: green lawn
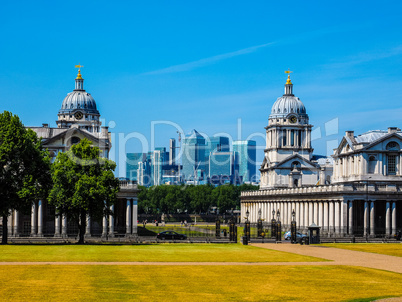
(147,253)
(196,283)
(392,249)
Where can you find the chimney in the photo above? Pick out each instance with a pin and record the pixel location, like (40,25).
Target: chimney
(393,129)
(350,134)
(45,125)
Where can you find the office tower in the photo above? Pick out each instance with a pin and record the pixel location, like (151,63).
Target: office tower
(193,158)
(172,151)
(132,162)
(245,160)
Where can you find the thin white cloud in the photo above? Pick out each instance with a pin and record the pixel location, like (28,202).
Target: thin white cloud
(366,57)
(207,61)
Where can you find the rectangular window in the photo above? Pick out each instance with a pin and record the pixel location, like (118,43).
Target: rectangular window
(292,137)
(300,138)
(391,164)
(284,137)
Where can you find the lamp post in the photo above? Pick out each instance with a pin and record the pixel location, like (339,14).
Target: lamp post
(293,227)
(232,228)
(247,226)
(278,226)
(273,225)
(217,225)
(259,224)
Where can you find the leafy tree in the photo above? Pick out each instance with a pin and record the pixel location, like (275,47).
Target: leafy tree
(83,183)
(24,168)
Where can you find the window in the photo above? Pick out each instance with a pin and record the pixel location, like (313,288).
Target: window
(292,137)
(371,164)
(391,164)
(75,140)
(284,138)
(393,146)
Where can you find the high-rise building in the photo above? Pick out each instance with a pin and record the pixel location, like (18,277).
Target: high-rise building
(220,163)
(193,157)
(245,160)
(132,163)
(172,151)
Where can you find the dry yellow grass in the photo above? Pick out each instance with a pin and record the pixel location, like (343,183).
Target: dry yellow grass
(195,283)
(392,249)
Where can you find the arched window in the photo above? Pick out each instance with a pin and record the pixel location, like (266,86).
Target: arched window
(296,166)
(75,140)
(392,146)
(296,182)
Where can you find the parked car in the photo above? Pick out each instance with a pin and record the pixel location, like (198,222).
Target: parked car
(170,235)
(299,236)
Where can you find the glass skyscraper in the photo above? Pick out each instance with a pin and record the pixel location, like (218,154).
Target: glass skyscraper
(193,157)
(245,160)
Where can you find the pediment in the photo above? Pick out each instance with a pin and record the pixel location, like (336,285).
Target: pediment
(289,163)
(64,138)
(381,143)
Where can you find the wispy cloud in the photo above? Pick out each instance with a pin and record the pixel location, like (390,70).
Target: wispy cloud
(211,60)
(207,61)
(366,57)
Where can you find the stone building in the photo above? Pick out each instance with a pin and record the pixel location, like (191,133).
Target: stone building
(78,118)
(356,192)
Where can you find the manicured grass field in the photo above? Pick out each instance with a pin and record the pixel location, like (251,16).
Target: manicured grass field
(147,253)
(196,283)
(392,249)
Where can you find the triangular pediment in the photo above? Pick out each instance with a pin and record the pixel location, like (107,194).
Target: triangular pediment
(289,163)
(64,138)
(381,143)
(346,145)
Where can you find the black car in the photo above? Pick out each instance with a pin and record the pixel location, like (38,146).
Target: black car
(170,235)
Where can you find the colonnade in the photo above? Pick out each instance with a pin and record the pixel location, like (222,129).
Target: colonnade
(61,228)
(335,217)
(329,215)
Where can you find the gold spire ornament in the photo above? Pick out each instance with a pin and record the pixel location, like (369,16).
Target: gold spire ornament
(288,81)
(79,77)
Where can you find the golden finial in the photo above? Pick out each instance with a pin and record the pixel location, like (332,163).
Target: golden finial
(288,81)
(79,77)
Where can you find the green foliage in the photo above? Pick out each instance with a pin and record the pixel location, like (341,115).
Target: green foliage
(190,199)
(24,166)
(83,183)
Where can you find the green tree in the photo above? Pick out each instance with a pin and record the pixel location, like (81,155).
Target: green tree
(24,168)
(83,183)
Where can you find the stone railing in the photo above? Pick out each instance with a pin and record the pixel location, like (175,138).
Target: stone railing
(128,185)
(356,188)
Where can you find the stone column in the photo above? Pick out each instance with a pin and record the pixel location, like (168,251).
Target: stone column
(33,220)
(316,214)
(337,217)
(135,215)
(64,225)
(321,215)
(88,226)
(104,226)
(331,227)
(57,225)
(387,218)
(10,225)
(366,218)
(310,213)
(16,231)
(111,222)
(128,217)
(298,214)
(306,206)
(350,230)
(325,224)
(344,217)
(40,218)
(372,224)
(393,217)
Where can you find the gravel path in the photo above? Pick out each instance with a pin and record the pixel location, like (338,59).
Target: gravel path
(340,256)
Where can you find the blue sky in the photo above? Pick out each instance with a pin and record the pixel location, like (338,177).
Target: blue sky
(214,66)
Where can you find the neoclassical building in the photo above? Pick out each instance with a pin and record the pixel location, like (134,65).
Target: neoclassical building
(78,118)
(356,192)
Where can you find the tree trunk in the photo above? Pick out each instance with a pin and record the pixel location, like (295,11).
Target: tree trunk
(5,230)
(82,226)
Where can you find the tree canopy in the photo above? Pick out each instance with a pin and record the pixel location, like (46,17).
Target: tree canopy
(83,183)
(24,168)
(190,199)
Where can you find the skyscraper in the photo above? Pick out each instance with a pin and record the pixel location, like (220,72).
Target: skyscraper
(132,164)
(245,160)
(193,158)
